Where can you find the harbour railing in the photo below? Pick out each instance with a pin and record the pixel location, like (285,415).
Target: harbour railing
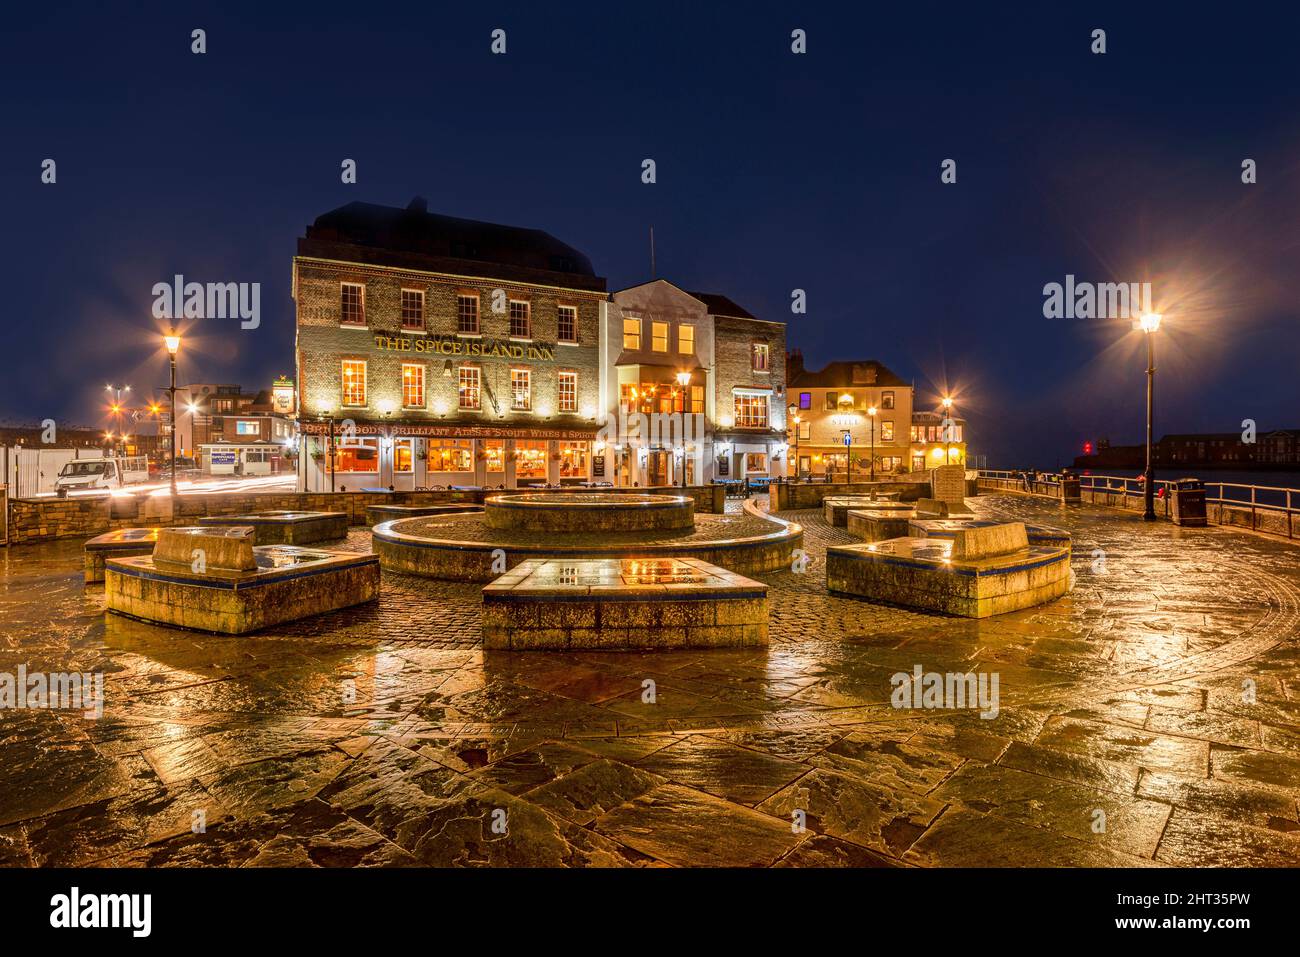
(1261,508)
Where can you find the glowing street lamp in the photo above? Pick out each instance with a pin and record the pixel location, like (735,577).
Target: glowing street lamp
(173,343)
(794,418)
(1150,323)
(684,380)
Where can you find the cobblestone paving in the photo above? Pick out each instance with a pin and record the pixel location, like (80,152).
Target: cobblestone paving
(1161,698)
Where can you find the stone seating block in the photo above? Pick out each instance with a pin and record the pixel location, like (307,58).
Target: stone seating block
(989,541)
(225,549)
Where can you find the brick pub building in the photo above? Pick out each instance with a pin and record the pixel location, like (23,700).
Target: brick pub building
(443,351)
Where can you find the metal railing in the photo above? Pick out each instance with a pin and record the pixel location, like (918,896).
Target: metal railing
(1257,501)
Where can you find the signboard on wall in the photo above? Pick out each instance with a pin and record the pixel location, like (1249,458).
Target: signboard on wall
(223,456)
(598,466)
(724,465)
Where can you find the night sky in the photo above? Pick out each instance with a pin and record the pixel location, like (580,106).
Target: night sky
(775,172)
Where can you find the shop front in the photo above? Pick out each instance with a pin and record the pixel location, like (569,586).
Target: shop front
(411,457)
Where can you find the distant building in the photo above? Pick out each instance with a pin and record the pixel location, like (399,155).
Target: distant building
(732,396)
(1278,449)
(228,431)
(835,402)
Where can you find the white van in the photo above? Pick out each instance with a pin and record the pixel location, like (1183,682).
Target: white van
(83,474)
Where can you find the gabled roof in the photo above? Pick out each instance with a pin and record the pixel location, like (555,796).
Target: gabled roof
(862,373)
(720,305)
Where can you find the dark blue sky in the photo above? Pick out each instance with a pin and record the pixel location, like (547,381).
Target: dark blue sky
(775,172)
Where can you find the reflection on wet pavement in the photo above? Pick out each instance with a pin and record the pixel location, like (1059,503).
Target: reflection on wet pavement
(1161,697)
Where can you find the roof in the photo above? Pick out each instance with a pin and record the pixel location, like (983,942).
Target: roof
(720,305)
(857,373)
(417,238)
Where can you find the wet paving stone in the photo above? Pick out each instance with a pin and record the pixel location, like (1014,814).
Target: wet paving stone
(1164,692)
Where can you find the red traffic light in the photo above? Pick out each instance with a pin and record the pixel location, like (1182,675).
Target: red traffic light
(1087,448)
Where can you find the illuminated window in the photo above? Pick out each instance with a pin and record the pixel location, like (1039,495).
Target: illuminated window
(467,315)
(568,326)
(659,336)
(568,392)
(404,455)
(521,390)
(494,454)
(887,430)
(359,455)
(755,462)
(573,459)
(412,386)
(521,326)
(627,396)
(530,459)
(631,333)
(751,411)
(470,389)
(243,427)
(412,309)
(686,339)
(805,430)
(353,305)
(761,357)
(805,400)
(354,382)
(450,455)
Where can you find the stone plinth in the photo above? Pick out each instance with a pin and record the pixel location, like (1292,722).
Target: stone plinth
(586,512)
(923,573)
(877,525)
(226,549)
(376,514)
(945,527)
(286,527)
(836,508)
(118,544)
(933,508)
(627,604)
(286,583)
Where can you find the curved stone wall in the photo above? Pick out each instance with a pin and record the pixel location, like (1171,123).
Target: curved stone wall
(588,512)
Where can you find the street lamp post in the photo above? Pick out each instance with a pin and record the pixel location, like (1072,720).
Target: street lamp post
(684,380)
(871,411)
(329,417)
(848,452)
(118,393)
(1149,324)
(173,343)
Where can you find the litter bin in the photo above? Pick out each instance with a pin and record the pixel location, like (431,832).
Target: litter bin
(1189,503)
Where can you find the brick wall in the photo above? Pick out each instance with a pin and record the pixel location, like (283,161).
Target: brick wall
(322,343)
(733,363)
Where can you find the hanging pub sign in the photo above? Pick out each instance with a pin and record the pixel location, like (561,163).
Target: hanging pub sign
(598,466)
(724,465)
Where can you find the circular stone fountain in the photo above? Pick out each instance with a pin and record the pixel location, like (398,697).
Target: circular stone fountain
(516,527)
(589,512)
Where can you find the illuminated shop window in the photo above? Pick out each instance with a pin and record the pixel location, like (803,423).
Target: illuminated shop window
(450,455)
(359,455)
(530,459)
(354,382)
(573,459)
(412,385)
(404,455)
(494,455)
(568,392)
(470,387)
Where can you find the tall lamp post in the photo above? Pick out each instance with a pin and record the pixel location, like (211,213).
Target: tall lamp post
(118,393)
(871,411)
(684,380)
(327,412)
(173,343)
(848,452)
(1149,324)
(794,417)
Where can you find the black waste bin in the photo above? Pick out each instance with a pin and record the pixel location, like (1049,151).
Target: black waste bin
(1189,503)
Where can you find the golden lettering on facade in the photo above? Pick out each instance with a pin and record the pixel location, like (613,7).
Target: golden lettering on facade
(454,346)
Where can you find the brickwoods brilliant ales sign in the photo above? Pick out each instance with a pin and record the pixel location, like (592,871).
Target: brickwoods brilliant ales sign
(469,348)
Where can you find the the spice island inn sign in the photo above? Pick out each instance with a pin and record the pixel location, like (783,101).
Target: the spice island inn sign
(468,348)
